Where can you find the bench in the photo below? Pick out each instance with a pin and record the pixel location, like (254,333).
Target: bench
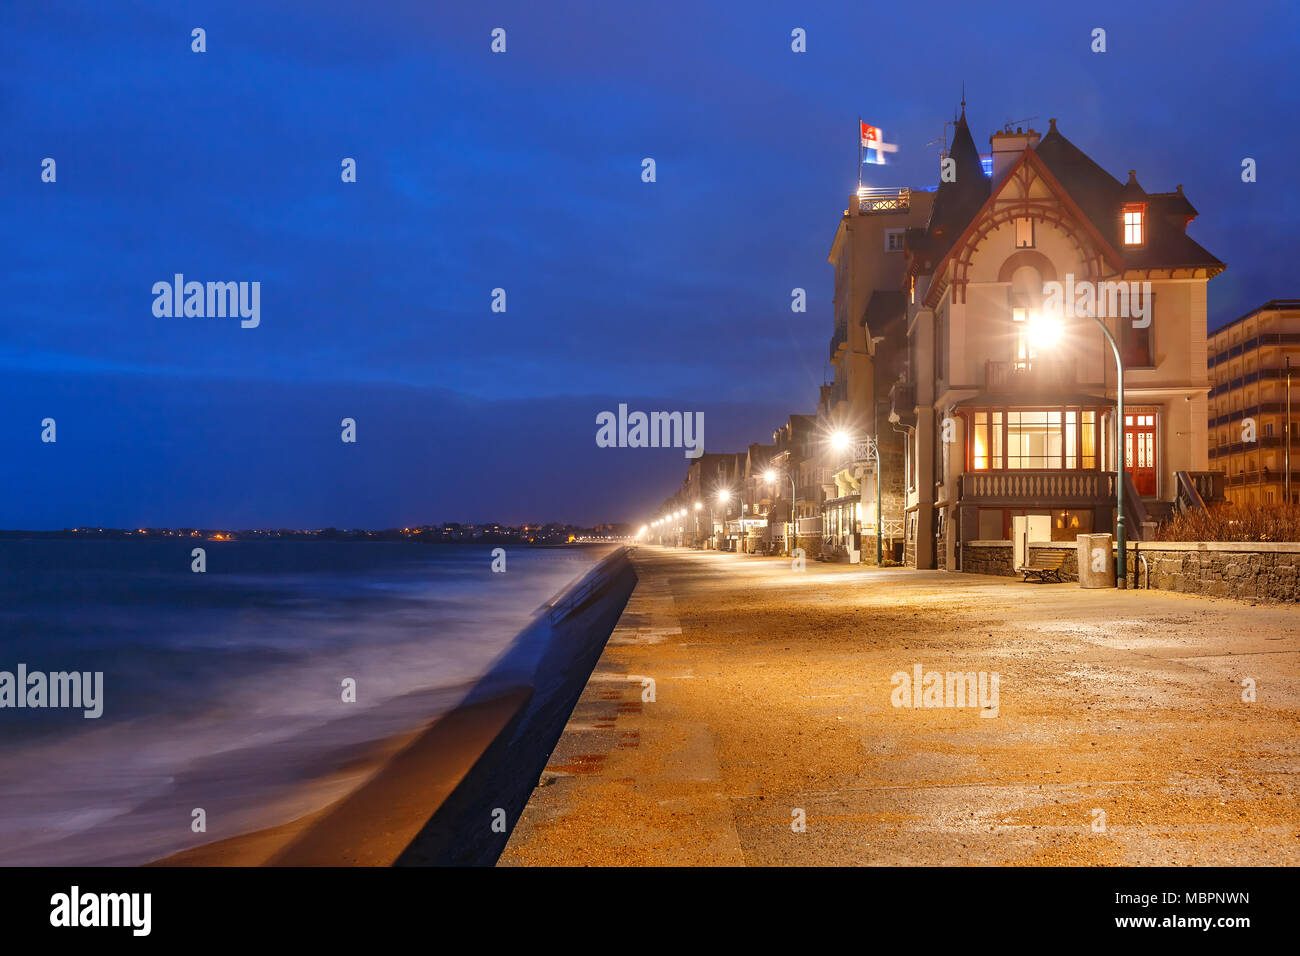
(1044,563)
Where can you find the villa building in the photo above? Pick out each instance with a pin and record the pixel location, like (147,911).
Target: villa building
(1253,433)
(1009,399)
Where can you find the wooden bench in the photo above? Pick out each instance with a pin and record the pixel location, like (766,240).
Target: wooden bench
(1044,563)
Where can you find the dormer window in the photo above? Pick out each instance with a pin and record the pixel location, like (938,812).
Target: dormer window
(1134,225)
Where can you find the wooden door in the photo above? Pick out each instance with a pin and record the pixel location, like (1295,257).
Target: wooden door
(1140,450)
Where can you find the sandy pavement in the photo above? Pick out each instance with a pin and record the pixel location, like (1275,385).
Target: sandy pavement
(1120,735)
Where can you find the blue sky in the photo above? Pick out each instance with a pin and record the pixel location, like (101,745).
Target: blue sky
(521,171)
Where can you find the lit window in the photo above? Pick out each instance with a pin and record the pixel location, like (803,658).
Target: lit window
(1024,233)
(1133,224)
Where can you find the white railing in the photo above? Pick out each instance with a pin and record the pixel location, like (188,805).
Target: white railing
(1078,485)
(884,199)
(811,525)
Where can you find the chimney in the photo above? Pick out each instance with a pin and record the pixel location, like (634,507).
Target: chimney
(1007,147)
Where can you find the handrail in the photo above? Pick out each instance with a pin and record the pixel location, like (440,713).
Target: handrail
(1189,497)
(1136,510)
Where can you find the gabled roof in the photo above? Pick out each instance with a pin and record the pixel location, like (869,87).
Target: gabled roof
(1102,197)
(1095,196)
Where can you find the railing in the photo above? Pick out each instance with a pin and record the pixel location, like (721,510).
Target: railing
(811,526)
(1189,497)
(840,337)
(1208,485)
(1036,374)
(884,199)
(1058,486)
(1138,523)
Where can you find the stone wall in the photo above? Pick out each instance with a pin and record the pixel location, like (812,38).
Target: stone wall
(1246,571)
(811,544)
(995,557)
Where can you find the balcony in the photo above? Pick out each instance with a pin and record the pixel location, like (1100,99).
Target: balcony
(1041,487)
(1040,374)
(872,200)
(902,404)
(840,339)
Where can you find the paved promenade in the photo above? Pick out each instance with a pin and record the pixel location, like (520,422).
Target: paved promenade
(771,738)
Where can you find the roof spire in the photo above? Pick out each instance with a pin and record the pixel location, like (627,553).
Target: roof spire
(963,99)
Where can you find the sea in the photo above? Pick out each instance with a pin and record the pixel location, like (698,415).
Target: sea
(225,692)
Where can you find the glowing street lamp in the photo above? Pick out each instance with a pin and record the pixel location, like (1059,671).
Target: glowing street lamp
(1049,330)
(724,495)
(841,441)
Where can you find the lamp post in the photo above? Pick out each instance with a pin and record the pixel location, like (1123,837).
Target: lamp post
(698,506)
(1048,332)
(770,476)
(1121,555)
(723,496)
(842,441)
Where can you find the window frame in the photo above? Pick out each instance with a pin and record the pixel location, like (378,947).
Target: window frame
(999,461)
(1140,209)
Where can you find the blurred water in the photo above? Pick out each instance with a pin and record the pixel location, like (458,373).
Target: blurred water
(225,687)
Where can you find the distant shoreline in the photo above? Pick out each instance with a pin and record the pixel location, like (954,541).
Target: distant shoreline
(422,536)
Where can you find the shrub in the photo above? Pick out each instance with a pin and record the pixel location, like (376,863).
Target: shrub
(1227,522)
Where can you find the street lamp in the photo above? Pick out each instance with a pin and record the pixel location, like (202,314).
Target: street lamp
(723,496)
(840,441)
(1048,330)
(770,476)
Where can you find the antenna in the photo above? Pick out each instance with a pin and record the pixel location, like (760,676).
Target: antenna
(1010,123)
(942,141)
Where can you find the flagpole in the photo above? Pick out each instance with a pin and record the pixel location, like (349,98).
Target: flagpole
(859,157)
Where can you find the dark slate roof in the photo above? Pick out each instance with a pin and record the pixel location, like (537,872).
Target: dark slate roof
(1101,197)
(1098,194)
(957,202)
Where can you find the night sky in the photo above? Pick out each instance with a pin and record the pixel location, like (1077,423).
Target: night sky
(522,171)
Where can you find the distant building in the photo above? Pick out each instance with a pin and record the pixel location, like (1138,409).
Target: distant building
(1247,362)
(867,350)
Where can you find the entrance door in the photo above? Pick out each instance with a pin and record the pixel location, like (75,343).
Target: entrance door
(1140,451)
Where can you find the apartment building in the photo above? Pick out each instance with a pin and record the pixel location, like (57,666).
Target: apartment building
(1249,421)
(867,350)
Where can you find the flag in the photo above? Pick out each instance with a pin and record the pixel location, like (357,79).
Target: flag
(872,140)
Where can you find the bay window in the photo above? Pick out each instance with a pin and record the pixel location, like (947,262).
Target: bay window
(1034,438)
